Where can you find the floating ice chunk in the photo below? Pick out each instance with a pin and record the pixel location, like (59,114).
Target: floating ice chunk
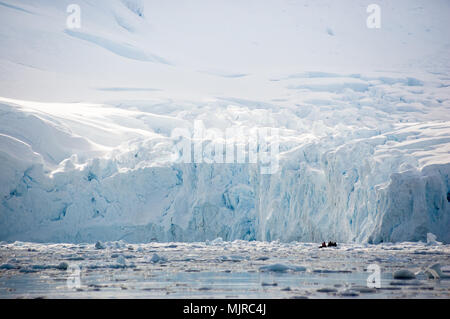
(281,268)
(63,266)
(327,290)
(275,268)
(265,284)
(233,258)
(116,244)
(121,260)
(119,244)
(75,258)
(216,242)
(262,258)
(404,274)
(297,268)
(158,259)
(41,267)
(155,258)
(432,240)
(99,245)
(222,258)
(7,266)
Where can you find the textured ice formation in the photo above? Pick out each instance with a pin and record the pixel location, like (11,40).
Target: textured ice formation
(343,183)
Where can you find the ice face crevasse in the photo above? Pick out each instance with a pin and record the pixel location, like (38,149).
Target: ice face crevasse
(340,186)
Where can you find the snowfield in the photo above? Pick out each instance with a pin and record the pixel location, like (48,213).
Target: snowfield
(87,119)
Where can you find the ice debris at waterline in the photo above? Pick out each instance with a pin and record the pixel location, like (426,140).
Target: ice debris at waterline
(199,270)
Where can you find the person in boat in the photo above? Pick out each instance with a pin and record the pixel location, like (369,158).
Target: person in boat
(332,244)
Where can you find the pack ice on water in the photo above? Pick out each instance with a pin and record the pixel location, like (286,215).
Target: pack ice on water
(86,117)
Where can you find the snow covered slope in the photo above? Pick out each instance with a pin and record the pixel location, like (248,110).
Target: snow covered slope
(87,115)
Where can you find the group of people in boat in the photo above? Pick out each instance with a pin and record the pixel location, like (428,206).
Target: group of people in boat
(330,244)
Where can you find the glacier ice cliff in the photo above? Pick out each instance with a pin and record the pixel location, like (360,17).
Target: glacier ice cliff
(73,176)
